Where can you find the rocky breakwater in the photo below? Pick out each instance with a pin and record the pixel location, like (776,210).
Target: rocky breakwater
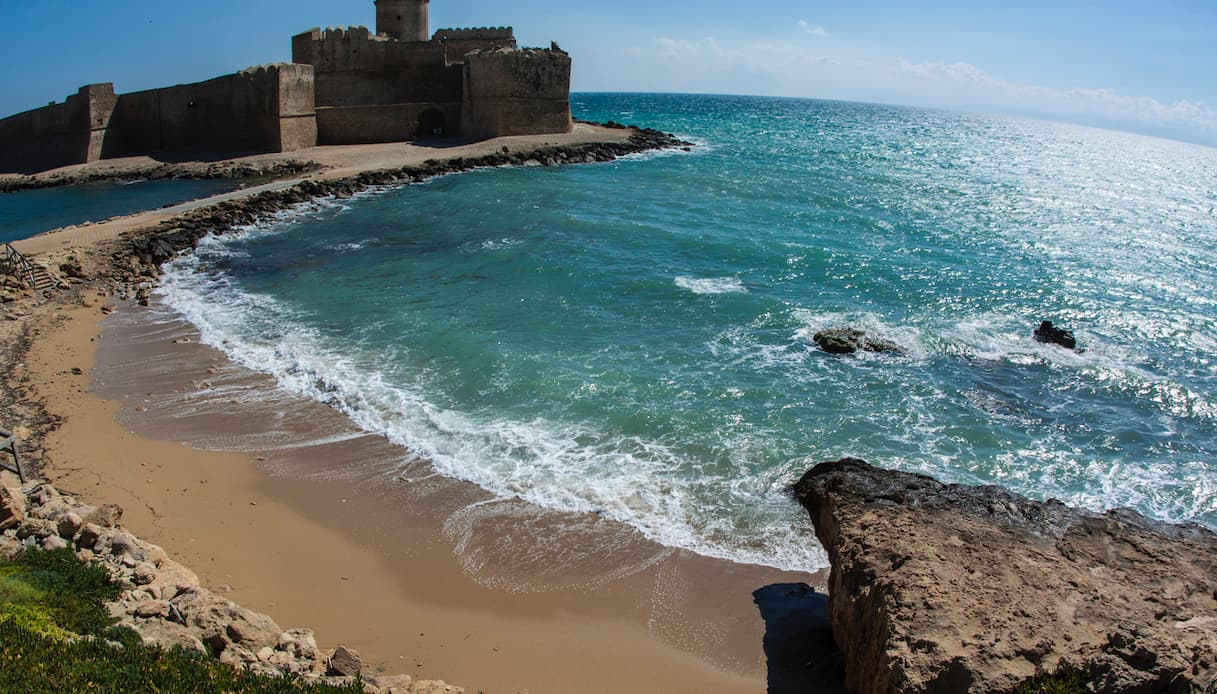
(157,172)
(949,588)
(138,258)
(163,602)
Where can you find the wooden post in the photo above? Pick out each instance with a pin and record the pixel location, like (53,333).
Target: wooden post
(9,442)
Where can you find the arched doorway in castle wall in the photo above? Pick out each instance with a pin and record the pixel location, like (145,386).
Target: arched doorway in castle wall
(431,124)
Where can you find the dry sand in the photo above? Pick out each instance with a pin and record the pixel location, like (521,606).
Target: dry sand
(319,525)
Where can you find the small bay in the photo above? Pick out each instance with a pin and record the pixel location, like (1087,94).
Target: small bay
(634,338)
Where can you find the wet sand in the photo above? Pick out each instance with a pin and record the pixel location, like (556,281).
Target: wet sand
(286,506)
(305,517)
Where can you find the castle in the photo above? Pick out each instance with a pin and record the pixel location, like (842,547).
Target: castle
(343,86)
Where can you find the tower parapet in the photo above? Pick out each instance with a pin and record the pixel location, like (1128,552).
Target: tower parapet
(404,20)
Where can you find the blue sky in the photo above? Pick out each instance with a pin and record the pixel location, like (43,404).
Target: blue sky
(1144,66)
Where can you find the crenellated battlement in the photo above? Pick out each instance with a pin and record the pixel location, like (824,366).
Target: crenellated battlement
(475,34)
(345,85)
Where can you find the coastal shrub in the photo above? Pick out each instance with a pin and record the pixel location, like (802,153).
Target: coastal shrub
(1067,679)
(33,663)
(57,582)
(56,636)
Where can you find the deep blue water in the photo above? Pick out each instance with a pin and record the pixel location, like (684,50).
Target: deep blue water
(634,338)
(30,212)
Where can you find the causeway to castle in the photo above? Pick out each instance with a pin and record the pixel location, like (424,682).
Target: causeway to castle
(344,86)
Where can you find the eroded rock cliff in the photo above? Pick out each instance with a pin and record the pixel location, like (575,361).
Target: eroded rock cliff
(948,588)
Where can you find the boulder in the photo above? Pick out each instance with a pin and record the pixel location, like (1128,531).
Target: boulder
(392,684)
(143,574)
(105,516)
(436,687)
(69,524)
(172,579)
(71,267)
(253,630)
(299,642)
(89,535)
(157,632)
(949,588)
(1050,334)
(12,508)
(849,340)
(345,662)
(36,528)
(152,609)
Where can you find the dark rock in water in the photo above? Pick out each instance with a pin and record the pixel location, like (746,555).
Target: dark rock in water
(839,340)
(949,588)
(849,340)
(1050,334)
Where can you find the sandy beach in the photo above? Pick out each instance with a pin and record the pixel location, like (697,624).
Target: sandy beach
(288,508)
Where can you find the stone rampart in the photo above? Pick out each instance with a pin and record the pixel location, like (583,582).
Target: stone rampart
(59,134)
(265,109)
(516,92)
(460,42)
(373,89)
(386,122)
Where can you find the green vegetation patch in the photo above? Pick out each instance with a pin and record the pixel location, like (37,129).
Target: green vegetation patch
(1066,680)
(48,599)
(57,583)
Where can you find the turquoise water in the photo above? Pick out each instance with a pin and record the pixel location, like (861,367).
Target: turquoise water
(634,338)
(30,212)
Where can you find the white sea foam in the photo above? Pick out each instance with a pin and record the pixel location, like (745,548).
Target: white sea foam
(712,285)
(561,467)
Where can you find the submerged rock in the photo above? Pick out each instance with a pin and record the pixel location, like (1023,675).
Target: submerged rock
(849,340)
(949,588)
(1050,334)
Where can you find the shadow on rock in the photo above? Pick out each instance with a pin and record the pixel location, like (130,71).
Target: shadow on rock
(799,645)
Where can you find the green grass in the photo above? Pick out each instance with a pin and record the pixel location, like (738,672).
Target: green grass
(1066,680)
(49,599)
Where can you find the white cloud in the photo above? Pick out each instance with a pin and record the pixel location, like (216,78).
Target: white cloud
(813,30)
(1104,103)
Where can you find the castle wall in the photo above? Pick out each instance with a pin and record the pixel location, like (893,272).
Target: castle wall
(386,123)
(372,89)
(459,42)
(72,132)
(522,92)
(267,109)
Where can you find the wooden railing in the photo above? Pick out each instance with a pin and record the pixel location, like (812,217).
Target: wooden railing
(13,263)
(8,444)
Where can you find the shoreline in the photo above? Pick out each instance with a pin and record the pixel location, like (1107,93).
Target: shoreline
(205,507)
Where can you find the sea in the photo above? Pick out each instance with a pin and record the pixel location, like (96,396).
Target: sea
(27,213)
(634,339)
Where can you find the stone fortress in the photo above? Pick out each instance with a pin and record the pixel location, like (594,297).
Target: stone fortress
(343,86)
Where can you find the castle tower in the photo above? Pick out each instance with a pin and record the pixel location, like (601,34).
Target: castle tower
(404,20)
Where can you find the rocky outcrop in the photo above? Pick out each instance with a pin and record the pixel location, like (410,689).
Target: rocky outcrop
(163,602)
(948,588)
(849,340)
(156,172)
(1050,334)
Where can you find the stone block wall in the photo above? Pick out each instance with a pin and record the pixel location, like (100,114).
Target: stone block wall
(265,109)
(72,132)
(371,88)
(460,42)
(386,123)
(516,92)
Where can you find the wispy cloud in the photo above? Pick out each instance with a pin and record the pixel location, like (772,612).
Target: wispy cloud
(1102,102)
(813,30)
